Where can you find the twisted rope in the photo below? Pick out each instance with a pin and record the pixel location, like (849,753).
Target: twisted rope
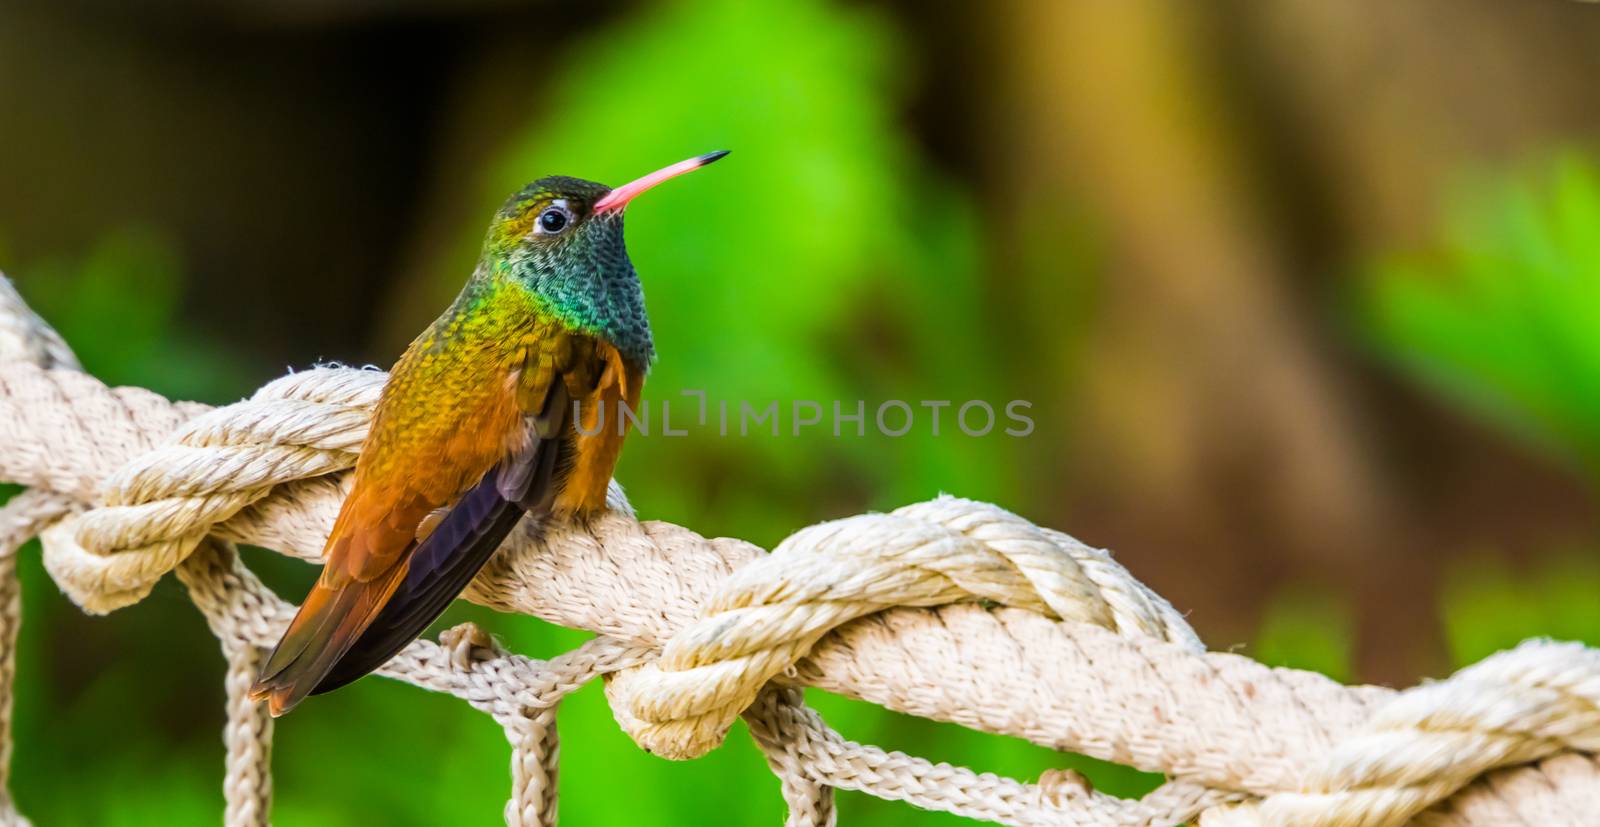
(25,338)
(772,611)
(156,509)
(951,609)
(1512,708)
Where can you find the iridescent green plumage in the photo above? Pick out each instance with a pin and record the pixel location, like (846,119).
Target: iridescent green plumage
(476,427)
(583,276)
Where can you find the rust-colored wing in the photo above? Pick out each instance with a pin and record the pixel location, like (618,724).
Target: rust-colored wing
(478,453)
(448,414)
(457,545)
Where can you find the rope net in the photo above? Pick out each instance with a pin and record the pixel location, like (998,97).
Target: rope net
(950,609)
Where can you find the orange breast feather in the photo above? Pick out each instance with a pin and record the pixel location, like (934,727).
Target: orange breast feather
(599,440)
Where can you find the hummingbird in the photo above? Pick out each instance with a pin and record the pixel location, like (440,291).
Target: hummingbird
(478,426)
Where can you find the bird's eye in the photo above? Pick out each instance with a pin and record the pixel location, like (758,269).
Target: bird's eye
(553,220)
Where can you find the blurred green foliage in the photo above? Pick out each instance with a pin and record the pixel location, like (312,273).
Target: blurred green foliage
(1491,605)
(1502,317)
(1307,627)
(822,261)
(118,306)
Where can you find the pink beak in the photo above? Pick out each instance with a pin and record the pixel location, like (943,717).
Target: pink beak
(619,197)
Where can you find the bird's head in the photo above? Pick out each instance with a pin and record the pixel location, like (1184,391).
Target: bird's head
(561,238)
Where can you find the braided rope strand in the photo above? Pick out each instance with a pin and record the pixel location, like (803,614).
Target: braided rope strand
(20,520)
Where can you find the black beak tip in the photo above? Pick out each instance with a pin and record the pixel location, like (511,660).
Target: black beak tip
(709,157)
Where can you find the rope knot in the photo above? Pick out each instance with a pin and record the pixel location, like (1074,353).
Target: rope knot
(771,612)
(156,509)
(468,643)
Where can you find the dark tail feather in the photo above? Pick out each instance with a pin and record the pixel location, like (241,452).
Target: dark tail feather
(427,592)
(329,623)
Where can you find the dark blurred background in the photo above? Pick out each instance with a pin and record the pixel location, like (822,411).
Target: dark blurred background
(1305,296)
